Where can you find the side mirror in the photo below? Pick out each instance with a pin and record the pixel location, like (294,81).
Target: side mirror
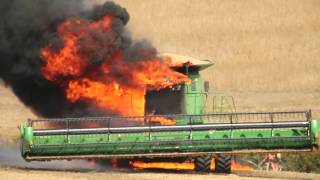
(206,86)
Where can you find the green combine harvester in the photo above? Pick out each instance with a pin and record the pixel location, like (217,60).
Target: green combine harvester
(195,134)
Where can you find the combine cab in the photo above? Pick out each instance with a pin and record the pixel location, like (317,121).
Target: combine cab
(177,129)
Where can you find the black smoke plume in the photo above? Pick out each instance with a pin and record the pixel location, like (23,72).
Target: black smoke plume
(26,26)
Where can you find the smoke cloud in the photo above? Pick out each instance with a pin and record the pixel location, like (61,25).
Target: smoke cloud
(27,26)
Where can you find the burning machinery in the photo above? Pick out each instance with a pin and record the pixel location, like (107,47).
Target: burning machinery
(177,129)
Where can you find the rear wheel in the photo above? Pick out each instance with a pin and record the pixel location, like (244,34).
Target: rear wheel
(203,163)
(223,163)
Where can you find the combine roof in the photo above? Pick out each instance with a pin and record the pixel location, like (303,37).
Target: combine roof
(179,59)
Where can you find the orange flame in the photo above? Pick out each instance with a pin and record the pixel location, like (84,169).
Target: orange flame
(163,121)
(115,85)
(240,167)
(184,165)
(109,96)
(163,165)
(68,61)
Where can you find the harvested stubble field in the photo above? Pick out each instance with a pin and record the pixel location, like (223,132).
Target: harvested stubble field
(266,55)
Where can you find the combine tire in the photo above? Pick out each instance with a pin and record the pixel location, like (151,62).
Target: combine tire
(223,163)
(203,163)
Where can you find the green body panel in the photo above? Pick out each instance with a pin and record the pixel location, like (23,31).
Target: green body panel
(183,141)
(315,132)
(27,134)
(193,95)
(193,99)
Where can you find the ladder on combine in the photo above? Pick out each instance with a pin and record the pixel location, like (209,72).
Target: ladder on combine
(131,137)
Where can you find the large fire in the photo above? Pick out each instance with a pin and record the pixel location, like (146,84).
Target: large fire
(91,68)
(114,84)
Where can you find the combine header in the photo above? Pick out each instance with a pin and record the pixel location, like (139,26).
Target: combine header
(263,132)
(188,132)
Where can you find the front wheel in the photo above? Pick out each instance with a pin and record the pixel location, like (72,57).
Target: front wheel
(203,163)
(223,163)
